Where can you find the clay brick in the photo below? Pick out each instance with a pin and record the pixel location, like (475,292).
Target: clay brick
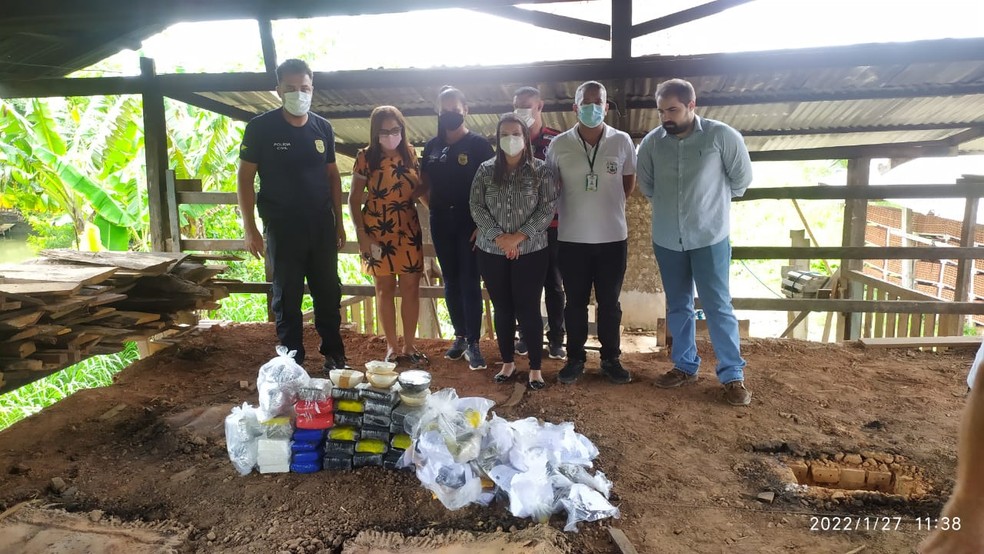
(800,471)
(852,478)
(880,480)
(904,485)
(825,475)
(853,459)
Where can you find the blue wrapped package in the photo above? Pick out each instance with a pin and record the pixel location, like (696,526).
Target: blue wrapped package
(305,467)
(309,435)
(307,457)
(305,446)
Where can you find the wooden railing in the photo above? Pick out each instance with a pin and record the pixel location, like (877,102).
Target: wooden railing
(879,325)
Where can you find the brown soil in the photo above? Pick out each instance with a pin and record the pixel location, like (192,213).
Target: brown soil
(686,467)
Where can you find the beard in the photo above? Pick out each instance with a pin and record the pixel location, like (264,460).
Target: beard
(673,128)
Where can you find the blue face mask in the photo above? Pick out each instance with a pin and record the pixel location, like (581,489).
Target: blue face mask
(591,115)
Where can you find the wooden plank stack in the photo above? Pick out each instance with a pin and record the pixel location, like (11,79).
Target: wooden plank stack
(68,305)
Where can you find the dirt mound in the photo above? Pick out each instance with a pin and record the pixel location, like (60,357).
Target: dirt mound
(34,530)
(687,468)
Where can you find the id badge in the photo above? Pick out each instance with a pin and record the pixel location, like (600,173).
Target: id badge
(591,181)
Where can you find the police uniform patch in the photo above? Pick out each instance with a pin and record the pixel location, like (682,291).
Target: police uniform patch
(319,145)
(463,158)
(612,167)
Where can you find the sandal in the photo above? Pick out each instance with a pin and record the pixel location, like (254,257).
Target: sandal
(537,385)
(503,377)
(416,358)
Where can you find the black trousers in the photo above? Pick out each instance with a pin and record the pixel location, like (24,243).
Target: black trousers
(451,230)
(553,293)
(514,288)
(299,248)
(601,266)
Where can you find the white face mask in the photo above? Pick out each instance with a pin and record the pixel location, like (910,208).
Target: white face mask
(390,142)
(526,115)
(297,103)
(511,145)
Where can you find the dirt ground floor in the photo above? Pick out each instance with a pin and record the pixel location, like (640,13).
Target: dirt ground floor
(144,460)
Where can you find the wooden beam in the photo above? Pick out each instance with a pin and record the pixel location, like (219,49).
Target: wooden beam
(921,342)
(555,22)
(966,189)
(269,46)
(858,252)
(218,198)
(684,16)
(206,103)
(40,16)
(155,147)
(621,30)
(59,86)
(904,127)
(855,225)
(973,133)
(930,149)
(964,275)
(858,306)
(347,290)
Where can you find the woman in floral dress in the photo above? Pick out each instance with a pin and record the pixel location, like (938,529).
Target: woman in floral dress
(385,177)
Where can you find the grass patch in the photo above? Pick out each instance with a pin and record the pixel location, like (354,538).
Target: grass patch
(97,371)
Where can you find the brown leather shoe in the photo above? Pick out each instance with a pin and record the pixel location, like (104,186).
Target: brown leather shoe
(736,394)
(674,378)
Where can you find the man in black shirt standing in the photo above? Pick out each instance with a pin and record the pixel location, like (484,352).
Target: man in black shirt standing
(300,203)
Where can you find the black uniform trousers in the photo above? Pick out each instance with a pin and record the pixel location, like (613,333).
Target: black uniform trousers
(299,248)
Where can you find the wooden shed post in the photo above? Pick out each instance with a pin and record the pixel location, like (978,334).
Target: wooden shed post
(155,147)
(855,223)
(955,323)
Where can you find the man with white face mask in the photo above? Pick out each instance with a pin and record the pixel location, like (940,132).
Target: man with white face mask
(596,165)
(300,202)
(528,106)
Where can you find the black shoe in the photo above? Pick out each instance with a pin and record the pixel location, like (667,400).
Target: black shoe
(556,352)
(335,363)
(615,372)
(571,371)
(521,348)
(457,349)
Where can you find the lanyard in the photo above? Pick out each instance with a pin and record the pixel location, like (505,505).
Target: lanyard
(591,158)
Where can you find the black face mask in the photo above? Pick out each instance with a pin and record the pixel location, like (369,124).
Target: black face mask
(449,121)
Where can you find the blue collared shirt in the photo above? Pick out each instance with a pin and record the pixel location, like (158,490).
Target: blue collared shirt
(690,182)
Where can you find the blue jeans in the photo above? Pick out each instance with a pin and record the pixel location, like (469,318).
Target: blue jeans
(708,268)
(451,231)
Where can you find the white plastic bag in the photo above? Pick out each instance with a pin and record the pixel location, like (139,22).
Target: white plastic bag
(456,485)
(978,360)
(278,383)
(578,474)
(242,432)
(532,494)
(585,504)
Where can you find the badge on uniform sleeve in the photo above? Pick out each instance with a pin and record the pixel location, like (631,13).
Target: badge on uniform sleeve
(463,158)
(319,145)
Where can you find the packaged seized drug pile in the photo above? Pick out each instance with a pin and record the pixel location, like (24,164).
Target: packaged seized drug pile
(392,420)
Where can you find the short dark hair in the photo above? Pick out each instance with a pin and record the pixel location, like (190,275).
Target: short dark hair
(527,91)
(680,89)
(294,66)
(590,85)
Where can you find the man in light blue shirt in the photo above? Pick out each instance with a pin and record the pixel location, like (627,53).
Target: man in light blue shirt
(690,168)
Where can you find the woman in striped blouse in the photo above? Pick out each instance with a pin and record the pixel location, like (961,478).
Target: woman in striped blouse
(512,202)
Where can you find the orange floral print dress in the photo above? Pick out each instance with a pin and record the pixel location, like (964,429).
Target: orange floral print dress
(389,215)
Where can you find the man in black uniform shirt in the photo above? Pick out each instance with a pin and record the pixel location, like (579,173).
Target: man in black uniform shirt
(300,203)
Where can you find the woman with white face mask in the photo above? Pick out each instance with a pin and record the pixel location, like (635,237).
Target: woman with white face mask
(387,227)
(512,202)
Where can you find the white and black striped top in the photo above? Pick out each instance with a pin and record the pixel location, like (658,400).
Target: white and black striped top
(524,203)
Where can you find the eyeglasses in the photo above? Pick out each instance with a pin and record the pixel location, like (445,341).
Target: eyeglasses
(394,132)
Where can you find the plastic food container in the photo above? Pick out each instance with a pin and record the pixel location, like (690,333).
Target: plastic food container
(417,399)
(414,381)
(346,378)
(376,366)
(382,380)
